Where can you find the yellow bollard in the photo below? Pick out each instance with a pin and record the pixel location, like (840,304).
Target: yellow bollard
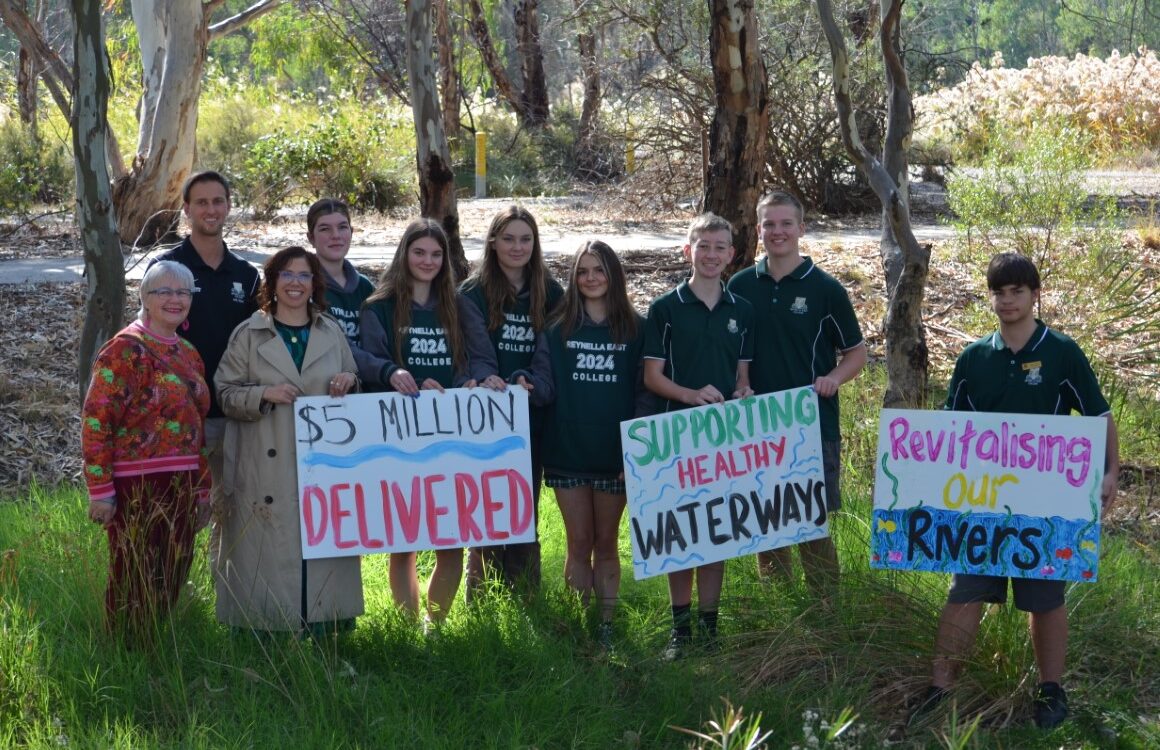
(480,165)
(629,151)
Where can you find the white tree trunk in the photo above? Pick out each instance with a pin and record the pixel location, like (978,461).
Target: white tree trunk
(173,35)
(907,356)
(432,155)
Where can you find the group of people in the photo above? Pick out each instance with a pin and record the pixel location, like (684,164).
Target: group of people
(189,414)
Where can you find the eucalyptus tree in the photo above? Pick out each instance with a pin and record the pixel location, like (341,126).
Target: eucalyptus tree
(530,100)
(736,158)
(432,154)
(905,261)
(172,36)
(105,295)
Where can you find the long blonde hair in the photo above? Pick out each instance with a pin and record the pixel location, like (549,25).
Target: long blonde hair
(398,283)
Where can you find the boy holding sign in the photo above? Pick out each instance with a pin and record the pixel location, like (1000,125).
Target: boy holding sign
(697,347)
(1025,368)
(807,335)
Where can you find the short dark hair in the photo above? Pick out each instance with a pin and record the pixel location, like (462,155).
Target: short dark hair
(1012,268)
(276,263)
(207,176)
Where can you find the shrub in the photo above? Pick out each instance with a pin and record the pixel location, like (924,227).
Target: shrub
(229,122)
(362,155)
(1030,197)
(520,163)
(31,170)
(1116,102)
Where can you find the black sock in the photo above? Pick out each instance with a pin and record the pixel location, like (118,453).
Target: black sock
(708,621)
(682,614)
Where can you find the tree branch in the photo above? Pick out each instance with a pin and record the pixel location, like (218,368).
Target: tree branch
(233,23)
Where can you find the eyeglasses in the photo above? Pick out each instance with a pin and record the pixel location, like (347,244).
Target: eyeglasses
(304,277)
(167,293)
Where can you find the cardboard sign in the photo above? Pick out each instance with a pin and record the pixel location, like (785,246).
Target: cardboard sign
(989,494)
(723,480)
(384,472)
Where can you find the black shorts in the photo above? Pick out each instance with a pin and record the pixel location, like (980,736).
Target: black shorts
(1031,595)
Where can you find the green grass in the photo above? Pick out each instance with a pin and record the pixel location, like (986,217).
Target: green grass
(506,675)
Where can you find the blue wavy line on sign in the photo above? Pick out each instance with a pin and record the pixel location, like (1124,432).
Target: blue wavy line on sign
(806,534)
(802,473)
(801,441)
(693,557)
(644,564)
(660,495)
(752,544)
(631,466)
(669,465)
(476,451)
(636,475)
(693,496)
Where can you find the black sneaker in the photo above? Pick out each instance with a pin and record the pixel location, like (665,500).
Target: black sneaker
(1050,705)
(678,645)
(923,705)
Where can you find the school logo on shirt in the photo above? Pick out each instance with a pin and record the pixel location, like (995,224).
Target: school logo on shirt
(237,293)
(799,306)
(732,327)
(1033,376)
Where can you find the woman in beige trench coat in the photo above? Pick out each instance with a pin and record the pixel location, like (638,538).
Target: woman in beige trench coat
(285,350)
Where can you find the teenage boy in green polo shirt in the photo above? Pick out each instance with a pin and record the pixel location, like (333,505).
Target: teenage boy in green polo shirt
(1023,368)
(697,347)
(806,334)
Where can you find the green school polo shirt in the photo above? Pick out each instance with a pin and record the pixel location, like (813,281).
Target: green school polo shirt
(803,321)
(699,346)
(1049,375)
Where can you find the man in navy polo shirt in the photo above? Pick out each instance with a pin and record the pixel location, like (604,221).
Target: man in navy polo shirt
(226,294)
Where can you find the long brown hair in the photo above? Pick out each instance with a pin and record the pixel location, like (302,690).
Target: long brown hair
(497,290)
(398,283)
(267,297)
(622,318)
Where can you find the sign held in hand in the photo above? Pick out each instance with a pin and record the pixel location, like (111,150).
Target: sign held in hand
(724,480)
(384,472)
(988,494)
